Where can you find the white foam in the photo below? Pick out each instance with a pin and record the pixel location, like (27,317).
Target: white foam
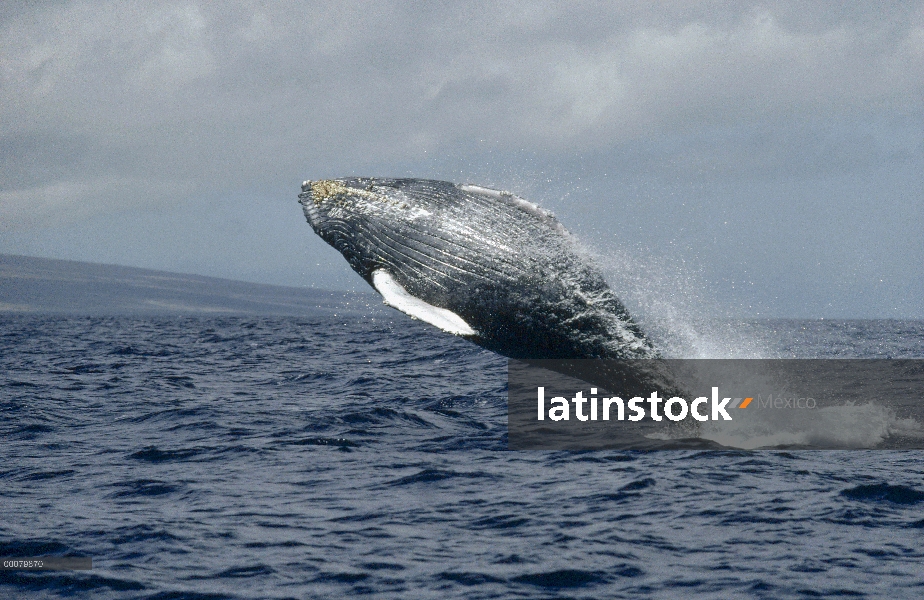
(846,426)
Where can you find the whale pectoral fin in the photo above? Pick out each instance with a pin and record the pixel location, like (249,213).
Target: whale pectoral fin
(398,297)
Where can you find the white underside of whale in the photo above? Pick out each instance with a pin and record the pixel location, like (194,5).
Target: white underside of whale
(398,297)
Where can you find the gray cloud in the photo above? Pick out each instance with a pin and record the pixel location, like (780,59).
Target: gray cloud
(114,108)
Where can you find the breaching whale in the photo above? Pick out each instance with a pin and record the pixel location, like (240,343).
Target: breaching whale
(475,262)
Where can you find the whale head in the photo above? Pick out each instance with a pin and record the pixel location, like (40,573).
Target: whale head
(332,208)
(355,214)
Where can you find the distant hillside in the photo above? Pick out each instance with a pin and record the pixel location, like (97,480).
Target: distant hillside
(42,285)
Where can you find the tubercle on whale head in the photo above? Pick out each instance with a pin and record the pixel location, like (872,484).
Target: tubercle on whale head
(325,189)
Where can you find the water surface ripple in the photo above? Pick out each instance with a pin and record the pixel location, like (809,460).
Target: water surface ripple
(280,457)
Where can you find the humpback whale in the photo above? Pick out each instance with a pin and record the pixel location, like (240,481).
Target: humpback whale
(476,262)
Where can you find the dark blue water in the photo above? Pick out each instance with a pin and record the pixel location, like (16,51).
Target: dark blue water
(332,456)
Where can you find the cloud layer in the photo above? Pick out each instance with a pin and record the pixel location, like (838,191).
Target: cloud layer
(110,107)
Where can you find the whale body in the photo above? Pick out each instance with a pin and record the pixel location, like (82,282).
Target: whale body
(476,262)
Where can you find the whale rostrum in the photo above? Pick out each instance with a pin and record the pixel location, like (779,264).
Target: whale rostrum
(475,262)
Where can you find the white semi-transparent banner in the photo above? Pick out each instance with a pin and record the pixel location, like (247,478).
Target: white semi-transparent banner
(734,404)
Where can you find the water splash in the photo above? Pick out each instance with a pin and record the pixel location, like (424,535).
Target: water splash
(672,302)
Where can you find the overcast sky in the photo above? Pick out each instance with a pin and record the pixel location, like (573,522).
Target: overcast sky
(765,158)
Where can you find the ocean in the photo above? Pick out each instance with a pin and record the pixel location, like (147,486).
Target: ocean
(350,453)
